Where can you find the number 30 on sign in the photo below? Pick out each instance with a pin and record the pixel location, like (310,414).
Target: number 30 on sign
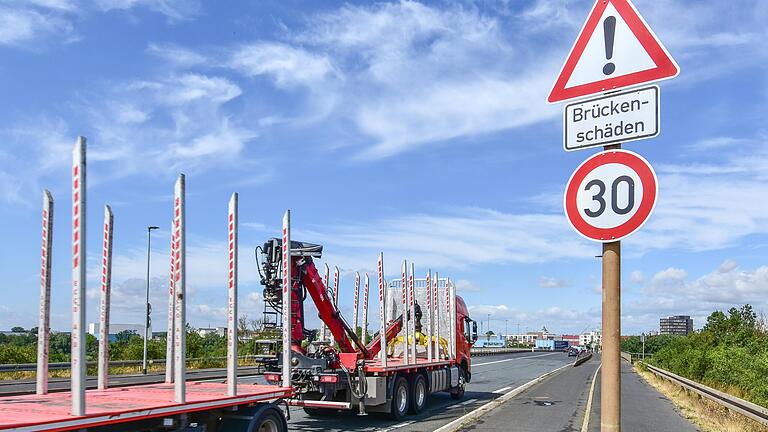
(610,195)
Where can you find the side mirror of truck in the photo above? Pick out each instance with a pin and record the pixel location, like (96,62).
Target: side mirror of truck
(474,331)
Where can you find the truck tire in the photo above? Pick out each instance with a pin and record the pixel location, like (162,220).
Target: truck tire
(418,394)
(458,392)
(400,399)
(269,421)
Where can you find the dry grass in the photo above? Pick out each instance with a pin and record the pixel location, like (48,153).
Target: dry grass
(707,415)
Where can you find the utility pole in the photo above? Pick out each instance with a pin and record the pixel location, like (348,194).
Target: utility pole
(147,306)
(488,332)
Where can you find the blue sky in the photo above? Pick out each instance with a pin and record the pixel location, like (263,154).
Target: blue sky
(419,129)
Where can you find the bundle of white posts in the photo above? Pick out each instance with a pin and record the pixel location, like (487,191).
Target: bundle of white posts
(179,288)
(78,279)
(287,285)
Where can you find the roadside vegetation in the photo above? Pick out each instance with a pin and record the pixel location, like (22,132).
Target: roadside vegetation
(207,351)
(730,354)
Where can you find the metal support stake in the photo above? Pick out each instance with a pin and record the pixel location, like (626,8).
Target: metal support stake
(44,325)
(382,312)
(287,291)
(78,278)
(428,314)
(436,315)
(356,302)
(232,219)
(179,288)
(610,374)
(412,312)
(406,323)
(106,286)
(364,330)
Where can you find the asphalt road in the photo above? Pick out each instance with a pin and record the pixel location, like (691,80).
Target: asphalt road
(491,377)
(8,388)
(556,404)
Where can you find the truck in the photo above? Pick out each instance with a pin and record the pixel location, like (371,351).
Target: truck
(176,404)
(422,346)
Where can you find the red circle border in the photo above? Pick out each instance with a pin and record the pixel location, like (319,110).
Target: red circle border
(648,179)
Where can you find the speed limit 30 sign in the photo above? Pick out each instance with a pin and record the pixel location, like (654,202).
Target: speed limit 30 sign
(610,195)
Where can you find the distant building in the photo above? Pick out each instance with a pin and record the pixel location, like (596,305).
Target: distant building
(676,325)
(489,342)
(530,338)
(593,338)
(204,331)
(572,340)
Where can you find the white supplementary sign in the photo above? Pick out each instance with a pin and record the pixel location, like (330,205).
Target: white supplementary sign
(615,49)
(621,117)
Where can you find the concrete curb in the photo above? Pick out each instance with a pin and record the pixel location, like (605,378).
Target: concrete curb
(455,425)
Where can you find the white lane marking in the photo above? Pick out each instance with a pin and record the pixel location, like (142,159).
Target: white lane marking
(478,412)
(467,402)
(585,424)
(512,359)
(503,389)
(397,426)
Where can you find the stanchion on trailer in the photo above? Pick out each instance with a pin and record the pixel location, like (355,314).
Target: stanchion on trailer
(451,293)
(232,220)
(404,290)
(364,330)
(335,296)
(412,309)
(179,288)
(382,312)
(357,299)
(323,327)
(106,287)
(436,315)
(428,314)
(78,278)
(169,345)
(287,285)
(171,309)
(44,323)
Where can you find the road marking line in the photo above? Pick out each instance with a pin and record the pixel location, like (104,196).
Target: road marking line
(467,402)
(397,426)
(585,424)
(478,412)
(503,389)
(512,359)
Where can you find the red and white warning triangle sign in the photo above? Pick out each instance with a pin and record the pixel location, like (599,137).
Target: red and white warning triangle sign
(615,49)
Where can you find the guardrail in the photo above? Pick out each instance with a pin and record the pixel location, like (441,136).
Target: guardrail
(746,408)
(24,367)
(582,358)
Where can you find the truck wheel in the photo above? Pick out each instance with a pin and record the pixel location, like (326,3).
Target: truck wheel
(458,392)
(418,394)
(269,421)
(400,397)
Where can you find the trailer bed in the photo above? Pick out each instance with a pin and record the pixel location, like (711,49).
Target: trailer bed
(104,407)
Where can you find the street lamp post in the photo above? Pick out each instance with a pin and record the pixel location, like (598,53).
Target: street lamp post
(147,306)
(488,332)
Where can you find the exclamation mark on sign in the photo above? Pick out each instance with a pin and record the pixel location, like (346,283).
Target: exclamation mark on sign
(609,28)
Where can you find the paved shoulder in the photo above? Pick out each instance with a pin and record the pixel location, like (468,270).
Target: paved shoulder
(556,404)
(643,408)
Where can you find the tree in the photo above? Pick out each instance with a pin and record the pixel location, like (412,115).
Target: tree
(18,329)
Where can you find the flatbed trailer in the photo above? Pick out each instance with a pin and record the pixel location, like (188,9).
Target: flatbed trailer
(147,407)
(177,404)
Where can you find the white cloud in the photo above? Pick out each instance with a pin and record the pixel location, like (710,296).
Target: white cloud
(24,23)
(552,282)
(636,276)
(288,66)
(175,10)
(177,55)
(466,286)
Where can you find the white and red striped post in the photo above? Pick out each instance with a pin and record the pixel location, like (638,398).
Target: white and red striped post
(335,295)
(428,314)
(357,299)
(106,287)
(436,315)
(412,310)
(404,289)
(44,324)
(451,294)
(382,312)
(171,310)
(323,328)
(364,329)
(179,288)
(287,285)
(78,278)
(232,220)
